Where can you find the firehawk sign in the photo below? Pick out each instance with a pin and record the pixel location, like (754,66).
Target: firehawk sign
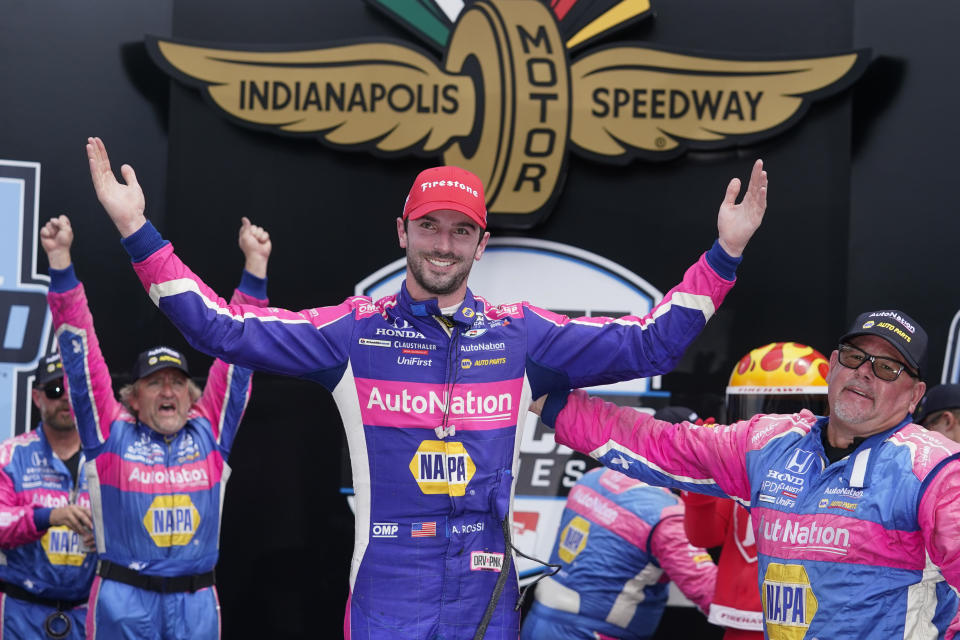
(508,102)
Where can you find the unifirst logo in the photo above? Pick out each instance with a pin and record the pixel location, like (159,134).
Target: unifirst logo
(62,547)
(171,521)
(573,539)
(789,602)
(441,467)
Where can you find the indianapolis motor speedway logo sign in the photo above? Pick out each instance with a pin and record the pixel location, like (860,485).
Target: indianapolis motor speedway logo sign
(508,102)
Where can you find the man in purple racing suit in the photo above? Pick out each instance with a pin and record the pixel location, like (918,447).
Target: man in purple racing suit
(620,545)
(157,464)
(430,383)
(853,514)
(45,566)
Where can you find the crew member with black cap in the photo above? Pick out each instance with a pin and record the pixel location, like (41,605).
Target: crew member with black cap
(45,521)
(940,410)
(157,464)
(853,513)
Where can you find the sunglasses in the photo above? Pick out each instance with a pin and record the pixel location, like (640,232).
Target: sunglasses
(53,391)
(887,369)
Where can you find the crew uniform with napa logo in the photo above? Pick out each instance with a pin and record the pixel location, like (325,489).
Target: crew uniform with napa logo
(157,497)
(850,537)
(45,570)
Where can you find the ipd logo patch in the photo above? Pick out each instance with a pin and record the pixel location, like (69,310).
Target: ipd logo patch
(24,318)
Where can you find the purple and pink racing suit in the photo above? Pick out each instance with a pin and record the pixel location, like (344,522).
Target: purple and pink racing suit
(620,545)
(430,406)
(38,561)
(865,547)
(156,499)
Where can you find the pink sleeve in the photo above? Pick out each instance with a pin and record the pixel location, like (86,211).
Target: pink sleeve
(939,516)
(87,376)
(690,567)
(228,387)
(16,518)
(685,456)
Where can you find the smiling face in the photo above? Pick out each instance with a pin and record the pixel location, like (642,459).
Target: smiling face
(162,400)
(860,403)
(441,247)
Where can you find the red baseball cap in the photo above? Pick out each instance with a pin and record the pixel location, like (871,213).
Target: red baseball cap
(446,188)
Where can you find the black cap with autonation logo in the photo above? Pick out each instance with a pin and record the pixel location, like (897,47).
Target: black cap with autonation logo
(158,358)
(897,328)
(49,368)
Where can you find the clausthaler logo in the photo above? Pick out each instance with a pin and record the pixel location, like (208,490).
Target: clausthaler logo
(508,102)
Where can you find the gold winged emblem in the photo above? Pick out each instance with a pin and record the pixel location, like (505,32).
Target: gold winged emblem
(507,103)
(655,101)
(384,94)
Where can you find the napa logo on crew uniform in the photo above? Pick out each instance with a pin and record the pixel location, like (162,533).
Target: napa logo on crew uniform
(171,521)
(789,603)
(573,539)
(441,467)
(63,547)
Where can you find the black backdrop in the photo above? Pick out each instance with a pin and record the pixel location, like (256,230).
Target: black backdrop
(860,216)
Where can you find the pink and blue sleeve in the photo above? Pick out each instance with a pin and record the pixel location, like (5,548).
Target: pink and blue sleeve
(710,460)
(228,387)
(690,567)
(311,343)
(581,352)
(87,376)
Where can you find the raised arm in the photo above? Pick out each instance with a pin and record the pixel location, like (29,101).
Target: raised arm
(87,376)
(228,387)
(736,223)
(584,352)
(311,343)
(124,203)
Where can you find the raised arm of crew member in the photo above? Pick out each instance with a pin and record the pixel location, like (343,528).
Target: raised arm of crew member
(228,387)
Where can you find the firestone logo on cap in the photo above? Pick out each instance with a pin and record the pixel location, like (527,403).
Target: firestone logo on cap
(449,183)
(450,188)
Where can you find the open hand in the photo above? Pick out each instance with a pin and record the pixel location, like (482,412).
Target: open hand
(124,203)
(736,223)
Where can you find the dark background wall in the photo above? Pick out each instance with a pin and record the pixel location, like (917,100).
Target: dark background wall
(861,216)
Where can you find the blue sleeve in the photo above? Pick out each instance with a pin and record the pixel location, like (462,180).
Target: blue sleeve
(41,518)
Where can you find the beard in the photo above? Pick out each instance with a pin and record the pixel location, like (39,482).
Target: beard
(438,285)
(58,421)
